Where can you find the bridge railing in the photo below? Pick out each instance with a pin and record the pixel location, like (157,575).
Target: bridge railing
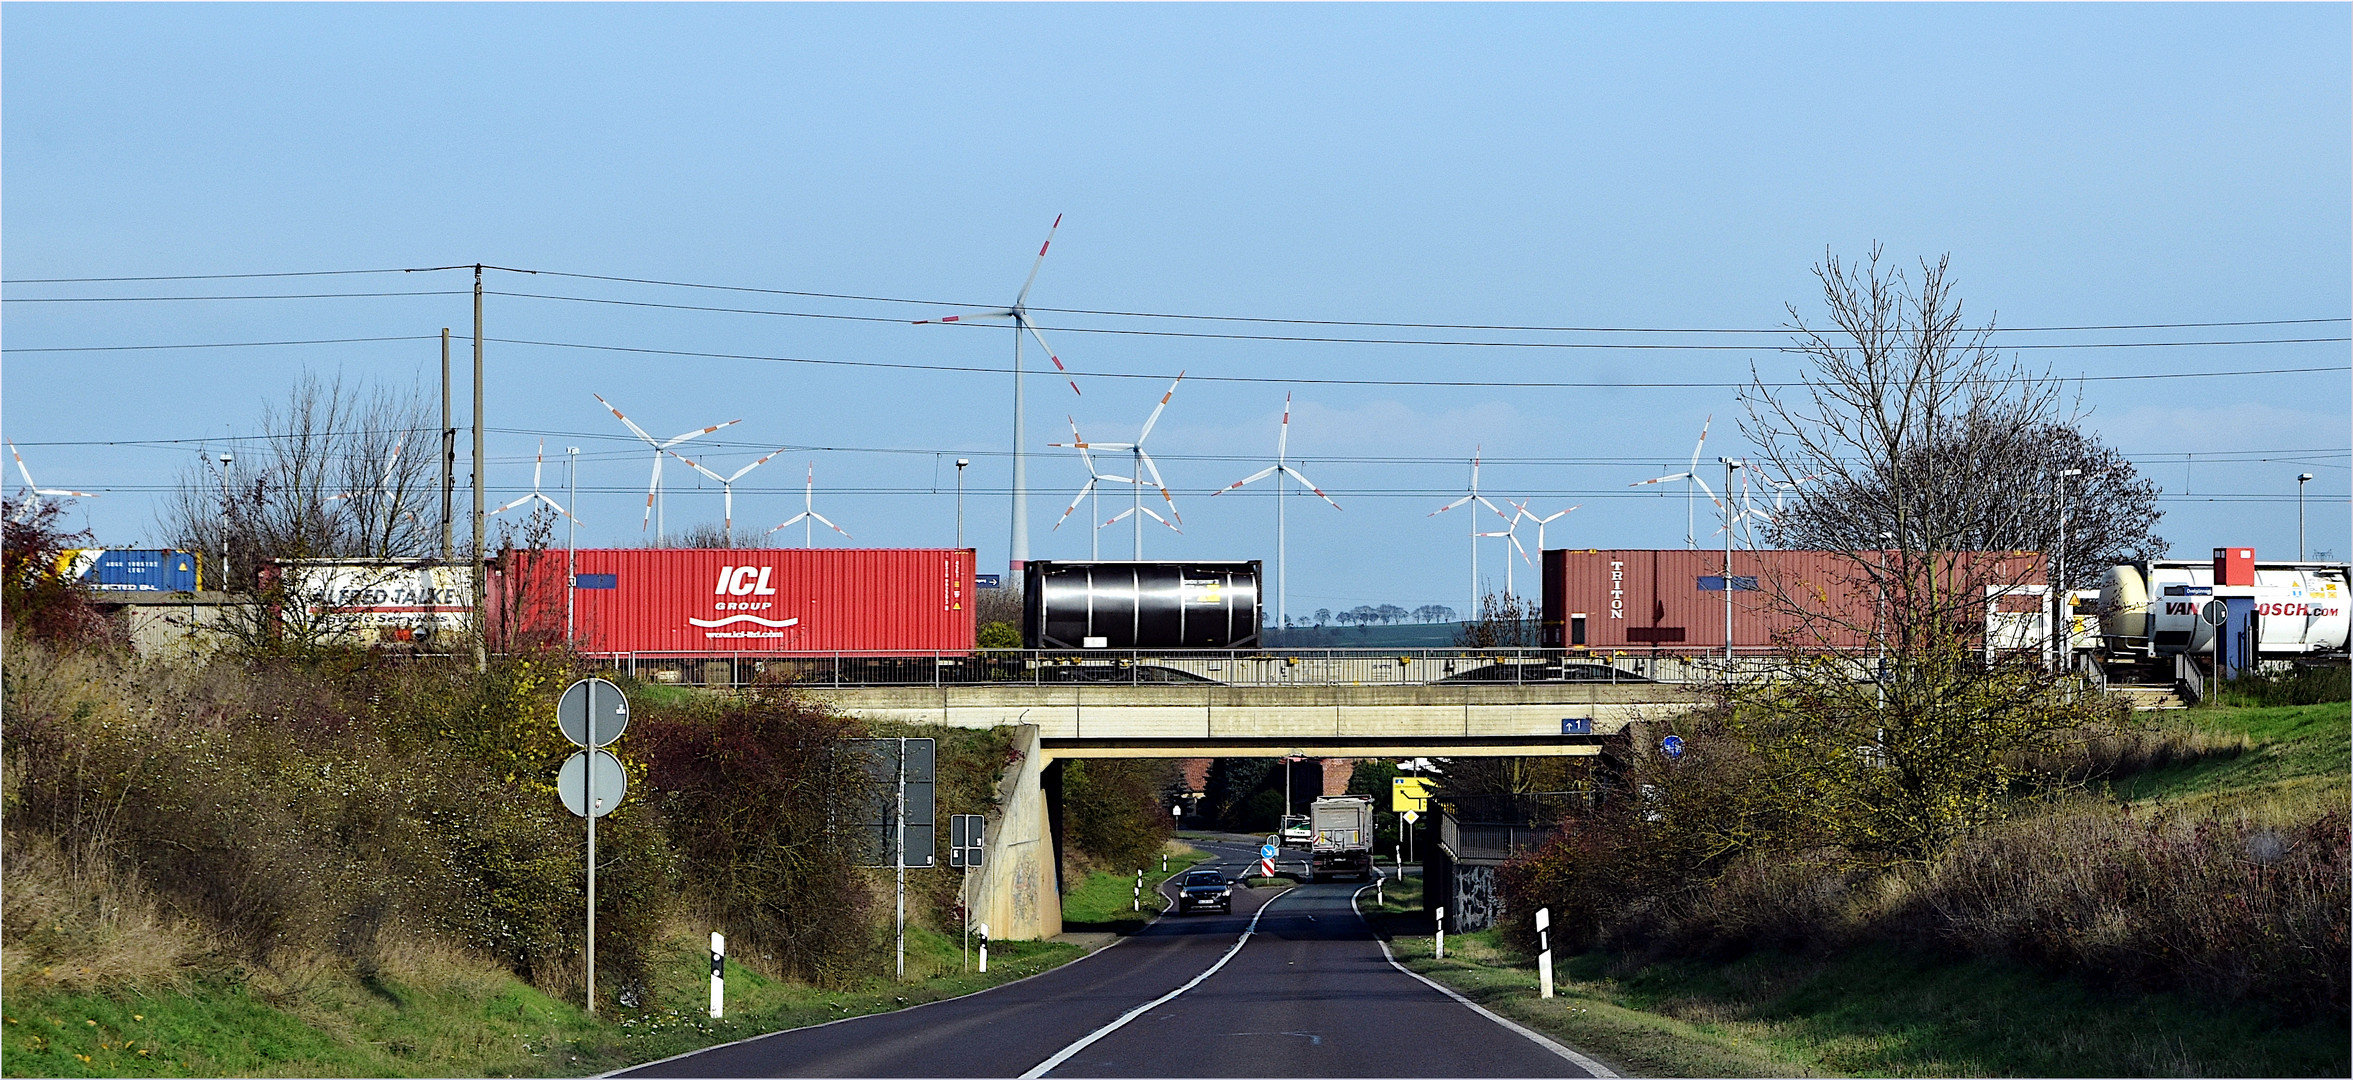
(1251,668)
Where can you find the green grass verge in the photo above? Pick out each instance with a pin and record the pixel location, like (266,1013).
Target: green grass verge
(1873,1011)
(2297,750)
(1107,902)
(472,1022)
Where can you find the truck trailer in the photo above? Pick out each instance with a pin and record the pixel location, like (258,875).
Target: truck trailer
(1343,840)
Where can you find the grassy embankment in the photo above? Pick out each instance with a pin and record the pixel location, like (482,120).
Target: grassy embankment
(438,1013)
(1876,1010)
(1106,902)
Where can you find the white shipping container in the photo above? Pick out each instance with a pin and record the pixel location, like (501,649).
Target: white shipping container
(382,603)
(2154,607)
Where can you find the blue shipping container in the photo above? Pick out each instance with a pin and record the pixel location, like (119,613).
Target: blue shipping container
(132,570)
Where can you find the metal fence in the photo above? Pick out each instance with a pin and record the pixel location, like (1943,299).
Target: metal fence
(1251,668)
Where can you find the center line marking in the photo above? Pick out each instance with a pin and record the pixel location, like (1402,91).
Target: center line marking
(1066,1052)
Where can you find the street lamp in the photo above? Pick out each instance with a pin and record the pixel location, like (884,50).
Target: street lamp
(2301,480)
(227,515)
(571,540)
(2059,636)
(1729,465)
(960,464)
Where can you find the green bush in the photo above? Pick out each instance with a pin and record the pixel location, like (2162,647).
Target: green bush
(1113,814)
(998,635)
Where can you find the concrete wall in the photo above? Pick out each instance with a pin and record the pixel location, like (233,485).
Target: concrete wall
(1014,890)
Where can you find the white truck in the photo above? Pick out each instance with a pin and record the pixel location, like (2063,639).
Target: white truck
(1343,837)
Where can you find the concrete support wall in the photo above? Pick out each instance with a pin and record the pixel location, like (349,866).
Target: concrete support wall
(1014,891)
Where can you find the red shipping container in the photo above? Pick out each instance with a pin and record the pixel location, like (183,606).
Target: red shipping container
(1673,600)
(745,600)
(2234,567)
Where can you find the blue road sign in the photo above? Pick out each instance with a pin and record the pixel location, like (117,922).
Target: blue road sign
(1576,725)
(988,581)
(1266,851)
(1672,745)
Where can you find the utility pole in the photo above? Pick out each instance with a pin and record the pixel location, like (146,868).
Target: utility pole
(449,460)
(2060,638)
(481,587)
(1729,465)
(571,540)
(1020,466)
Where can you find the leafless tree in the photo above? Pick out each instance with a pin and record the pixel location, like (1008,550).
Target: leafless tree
(321,481)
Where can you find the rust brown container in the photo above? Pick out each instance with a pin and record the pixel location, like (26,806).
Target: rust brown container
(1673,600)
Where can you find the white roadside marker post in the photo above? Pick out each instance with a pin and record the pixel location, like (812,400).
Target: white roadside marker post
(718,974)
(1139,897)
(1441,933)
(984,947)
(1544,951)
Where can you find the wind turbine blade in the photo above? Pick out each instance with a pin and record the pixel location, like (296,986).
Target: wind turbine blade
(969,316)
(1158,483)
(699,433)
(1032,279)
(1703,486)
(617,416)
(1121,516)
(1491,506)
(1450,506)
(1156,410)
(1050,353)
(690,463)
(1148,513)
(830,525)
(1083,492)
(512,505)
(1664,479)
(66,491)
(21,470)
(559,508)
(1703,440)
(792,521)
(1283,440)
(394,459)
(739,473)
(1250,479)
(1515,546)
(1302,478)
(652,490)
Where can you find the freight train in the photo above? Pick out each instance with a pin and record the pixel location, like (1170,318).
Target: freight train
(2150,610)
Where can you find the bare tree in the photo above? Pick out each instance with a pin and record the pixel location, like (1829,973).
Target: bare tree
(1926,454)
(334,473)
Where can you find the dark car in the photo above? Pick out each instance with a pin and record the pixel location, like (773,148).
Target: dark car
(1205,888)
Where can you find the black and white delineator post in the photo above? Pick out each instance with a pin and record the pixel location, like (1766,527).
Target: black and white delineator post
(592,713)
(1441,939)
(1544,952)
(718,974)
(984,948)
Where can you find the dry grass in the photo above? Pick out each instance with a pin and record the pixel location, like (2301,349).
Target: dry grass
(80,923)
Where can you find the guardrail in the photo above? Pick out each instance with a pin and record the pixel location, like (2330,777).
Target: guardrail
(1250,668)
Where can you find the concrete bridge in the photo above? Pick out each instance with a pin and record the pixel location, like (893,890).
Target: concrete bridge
(1017,891)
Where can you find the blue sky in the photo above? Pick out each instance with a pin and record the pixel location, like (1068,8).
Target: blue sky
(1652,166)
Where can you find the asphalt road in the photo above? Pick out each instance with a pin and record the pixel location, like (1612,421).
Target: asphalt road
(1309,993)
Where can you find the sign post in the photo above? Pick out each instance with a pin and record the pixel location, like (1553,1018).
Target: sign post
(899,827)
(966,833)
(592,713)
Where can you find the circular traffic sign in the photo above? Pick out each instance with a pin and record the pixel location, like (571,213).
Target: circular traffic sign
(1672,745)
(572,782)
(2215,612)
(1266,851)
(595,700)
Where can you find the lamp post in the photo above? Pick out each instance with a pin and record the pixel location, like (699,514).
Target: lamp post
(960,464)
(228,516)
(571,539)
(2059,617)
(2301,480)
(1729,465)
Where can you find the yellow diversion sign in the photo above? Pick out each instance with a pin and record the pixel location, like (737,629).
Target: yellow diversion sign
(1410,793)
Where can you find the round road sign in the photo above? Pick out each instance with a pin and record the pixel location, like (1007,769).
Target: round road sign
(611,782)
(596,699)
(2215,612)
(1672,745)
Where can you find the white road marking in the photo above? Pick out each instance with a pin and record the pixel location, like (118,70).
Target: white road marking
(1591,1066)
(1066,1052)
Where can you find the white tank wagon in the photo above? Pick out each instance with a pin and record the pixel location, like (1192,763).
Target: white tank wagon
(2151,609)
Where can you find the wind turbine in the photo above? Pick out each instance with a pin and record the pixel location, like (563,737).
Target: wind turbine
(653,509)
(808,517)
(1019,314)
(1690,473)
(1473,497)
(1280,469)
(33,504)
(727,486)
(1143,463)
(536,464)
(1095,532)
(1511,531)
